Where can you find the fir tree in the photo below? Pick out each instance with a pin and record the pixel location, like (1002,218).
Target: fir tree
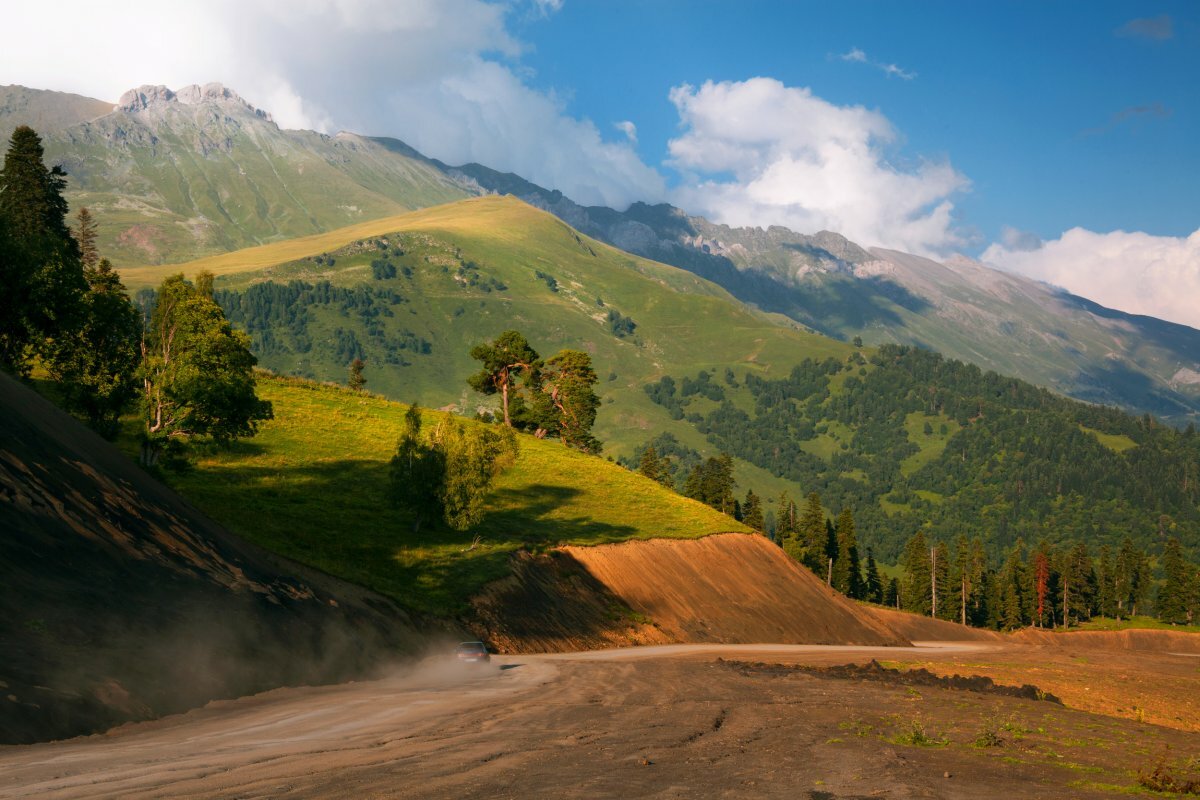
(873,580)
(648,466)
(916,589)
(752,513)
(847,572)
(85,236)
(1177,595)
(813,535)
(40,269)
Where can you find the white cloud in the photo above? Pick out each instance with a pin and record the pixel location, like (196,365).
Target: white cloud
(758,152)
(441,74)
(891,70)
(1019,240)
(628,128)
(1134,272)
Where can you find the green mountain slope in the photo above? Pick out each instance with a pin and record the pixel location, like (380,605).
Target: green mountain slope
(904,438)
(961,308)
(172,175)
(463,273)
(312,484)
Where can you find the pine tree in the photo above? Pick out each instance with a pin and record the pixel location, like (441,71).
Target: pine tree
(566,382)
(941,568)
(873,586)
(504,360)
(847,572)
(916,589)
(40,269)
(1176,601)
(752,513)
(85,236)
(648,466)
(812,535)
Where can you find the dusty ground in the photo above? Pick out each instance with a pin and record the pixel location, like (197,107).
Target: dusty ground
(689,721)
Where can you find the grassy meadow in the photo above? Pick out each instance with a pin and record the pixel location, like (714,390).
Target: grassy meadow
(311,486)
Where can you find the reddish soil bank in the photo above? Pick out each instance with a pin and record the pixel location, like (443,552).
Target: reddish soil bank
(925,629)
(1144,640)
(730,587)
(119,601)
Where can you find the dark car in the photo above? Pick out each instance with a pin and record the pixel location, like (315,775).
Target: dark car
(472,653)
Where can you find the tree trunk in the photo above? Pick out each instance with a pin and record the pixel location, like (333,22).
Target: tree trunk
(933,580)
(504,402)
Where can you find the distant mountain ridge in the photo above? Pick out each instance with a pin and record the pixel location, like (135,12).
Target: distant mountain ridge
(962,308)
(173,175)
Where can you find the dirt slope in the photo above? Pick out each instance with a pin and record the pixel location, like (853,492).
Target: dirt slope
(1142,640)
(728,587)
(118,601)
(924,629)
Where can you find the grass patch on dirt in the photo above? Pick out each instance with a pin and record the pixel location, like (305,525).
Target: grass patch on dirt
(1135,623)
(311,486)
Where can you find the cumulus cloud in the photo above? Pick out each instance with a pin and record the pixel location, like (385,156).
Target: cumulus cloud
(1155,29)
(891,70)
(628,128)
(1134,272)
(443,75)
(758,152)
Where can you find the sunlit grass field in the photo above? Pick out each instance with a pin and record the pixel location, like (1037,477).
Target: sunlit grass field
(312,486)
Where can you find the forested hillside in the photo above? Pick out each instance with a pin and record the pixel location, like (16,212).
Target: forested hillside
(911,441)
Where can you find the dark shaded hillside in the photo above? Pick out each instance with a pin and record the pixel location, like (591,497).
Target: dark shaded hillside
(119,601)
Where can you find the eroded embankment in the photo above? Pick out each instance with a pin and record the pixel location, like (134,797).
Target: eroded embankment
(1139,640)
(918,628)
(729,587)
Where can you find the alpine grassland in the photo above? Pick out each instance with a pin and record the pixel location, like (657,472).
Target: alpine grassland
(411,295)
(312,486)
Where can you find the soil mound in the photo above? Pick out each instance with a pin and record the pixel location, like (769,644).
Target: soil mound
(876,672)
(918,628)
(728,588)
(1159,641)
(119,601)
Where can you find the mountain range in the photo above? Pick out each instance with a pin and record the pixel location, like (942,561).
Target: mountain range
(172,175)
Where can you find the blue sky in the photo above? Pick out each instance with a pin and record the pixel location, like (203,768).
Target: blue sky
(1057,116)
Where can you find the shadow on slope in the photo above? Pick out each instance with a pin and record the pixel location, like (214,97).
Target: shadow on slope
(120,602)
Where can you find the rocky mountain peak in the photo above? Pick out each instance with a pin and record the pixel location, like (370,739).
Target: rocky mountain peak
(150,98)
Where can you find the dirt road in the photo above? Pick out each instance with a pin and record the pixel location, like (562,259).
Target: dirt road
(678,721)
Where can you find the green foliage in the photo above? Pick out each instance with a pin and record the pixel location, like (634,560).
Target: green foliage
(416,472)
(620,325)
(1179,595)
(504,361)
(711,482)
(565,383)
(197,371)
(40,269)
(472,458)
(847,571)
(96,362)
(1000,455)
(752,512)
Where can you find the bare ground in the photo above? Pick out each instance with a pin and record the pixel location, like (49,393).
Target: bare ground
(645,722)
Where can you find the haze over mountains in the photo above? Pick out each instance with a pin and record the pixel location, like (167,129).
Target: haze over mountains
(173,175)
